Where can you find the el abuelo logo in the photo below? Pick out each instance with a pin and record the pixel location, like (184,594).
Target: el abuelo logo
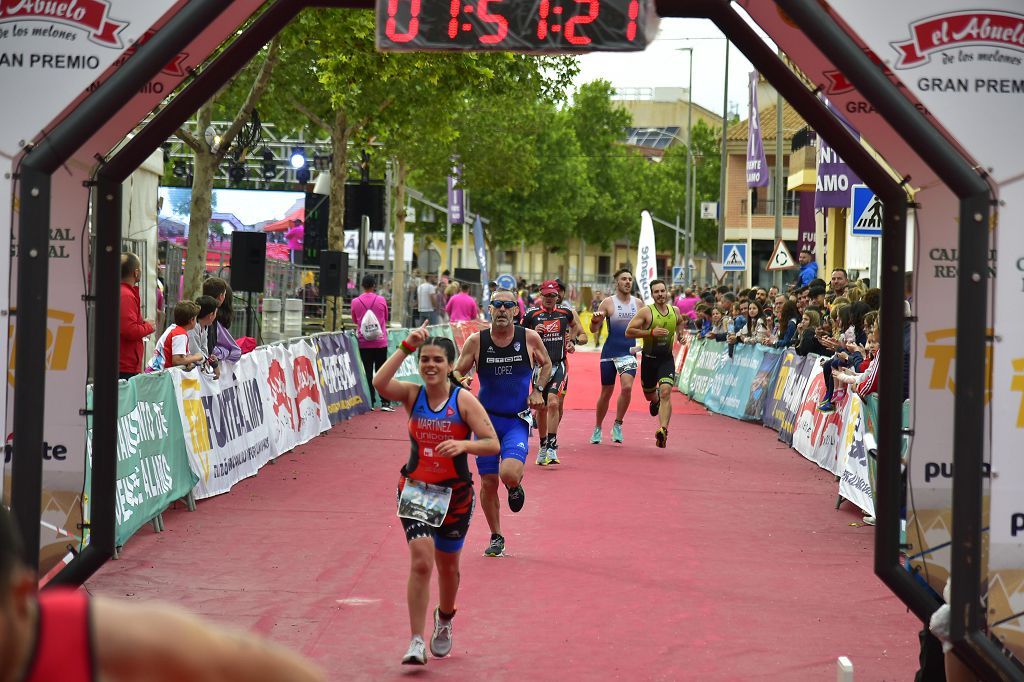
(965,28)
(91,15)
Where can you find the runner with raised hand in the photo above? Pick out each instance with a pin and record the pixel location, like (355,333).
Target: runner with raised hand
(656,324)
(618,357)
(505,356)
(435,493)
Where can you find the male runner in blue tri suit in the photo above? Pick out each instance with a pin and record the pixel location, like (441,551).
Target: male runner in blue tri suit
(504,356)
(618,357)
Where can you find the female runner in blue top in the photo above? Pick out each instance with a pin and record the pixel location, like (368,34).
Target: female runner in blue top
(436,488)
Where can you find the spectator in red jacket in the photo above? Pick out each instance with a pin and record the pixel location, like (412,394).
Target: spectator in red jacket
(133,328)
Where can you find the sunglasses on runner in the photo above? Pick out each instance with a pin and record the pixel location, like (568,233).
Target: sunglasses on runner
(505,304)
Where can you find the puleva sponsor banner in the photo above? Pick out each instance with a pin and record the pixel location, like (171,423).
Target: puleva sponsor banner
(339,375)
(763,384)
(712,356)
(152,465)
(227,432)
(816,434)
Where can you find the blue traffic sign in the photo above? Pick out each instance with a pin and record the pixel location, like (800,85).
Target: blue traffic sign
(865,213)
(506,281)
(734,257)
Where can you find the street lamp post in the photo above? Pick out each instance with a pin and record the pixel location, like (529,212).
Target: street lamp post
(690,170)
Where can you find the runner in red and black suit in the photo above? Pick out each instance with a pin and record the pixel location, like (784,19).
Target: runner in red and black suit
(435,493)
(556,325)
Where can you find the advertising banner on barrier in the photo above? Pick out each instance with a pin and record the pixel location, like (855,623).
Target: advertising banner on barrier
(762,384)
(816,434)
(340,380)
(695,348)
(227,433)
(152,467)
(409,370)
(730,389)
(855,482)
(792,395)
(713,354)
(296,403)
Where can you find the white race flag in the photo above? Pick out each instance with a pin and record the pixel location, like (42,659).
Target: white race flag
(646,263)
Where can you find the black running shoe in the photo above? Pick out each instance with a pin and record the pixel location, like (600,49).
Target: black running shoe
(516,498)
(654,407)
(497,546)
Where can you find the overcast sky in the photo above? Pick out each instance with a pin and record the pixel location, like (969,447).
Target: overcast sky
(663,65)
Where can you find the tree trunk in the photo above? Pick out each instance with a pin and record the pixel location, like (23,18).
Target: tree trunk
(200,209)
(336,216)
(398,279)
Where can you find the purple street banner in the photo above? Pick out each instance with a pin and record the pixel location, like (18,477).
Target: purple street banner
(456,207)
(339,377)
(806,228)
(835,179)
(757,164)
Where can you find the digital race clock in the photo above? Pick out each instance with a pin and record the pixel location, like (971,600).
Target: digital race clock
(515,25)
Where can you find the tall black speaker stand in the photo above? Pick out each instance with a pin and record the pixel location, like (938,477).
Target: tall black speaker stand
(248,313)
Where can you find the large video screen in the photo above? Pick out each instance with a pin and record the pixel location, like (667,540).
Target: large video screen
(246,210)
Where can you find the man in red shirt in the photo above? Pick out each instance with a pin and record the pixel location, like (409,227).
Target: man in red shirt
(63,634)
(133,328)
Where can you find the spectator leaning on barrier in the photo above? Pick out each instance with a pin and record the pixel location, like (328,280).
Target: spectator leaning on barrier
(755,330)
(221,343)
(462,307)
(374,351)
(133,329)
(199,336)
(788,321)
(807,334)
(172,349)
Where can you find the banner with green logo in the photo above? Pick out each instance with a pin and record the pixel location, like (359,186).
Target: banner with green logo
(152,465)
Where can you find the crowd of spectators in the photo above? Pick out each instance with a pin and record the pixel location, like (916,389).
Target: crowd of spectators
(837,320)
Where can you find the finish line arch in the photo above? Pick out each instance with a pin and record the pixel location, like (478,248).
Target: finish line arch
(818,42)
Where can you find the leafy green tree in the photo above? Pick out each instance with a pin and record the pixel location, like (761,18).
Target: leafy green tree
(235,102)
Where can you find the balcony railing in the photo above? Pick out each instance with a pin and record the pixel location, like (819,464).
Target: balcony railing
(790,207)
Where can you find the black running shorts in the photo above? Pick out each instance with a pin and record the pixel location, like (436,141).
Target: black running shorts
(656,370)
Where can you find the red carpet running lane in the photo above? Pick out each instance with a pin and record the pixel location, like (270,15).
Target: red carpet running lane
(719,558)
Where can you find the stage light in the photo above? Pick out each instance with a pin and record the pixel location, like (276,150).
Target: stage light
(179,169)
(237,172)
(269,165)
(302,175)
(298,158)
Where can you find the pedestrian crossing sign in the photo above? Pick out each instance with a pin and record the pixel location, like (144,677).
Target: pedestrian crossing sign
(677,275)
(865,213)
(734,257)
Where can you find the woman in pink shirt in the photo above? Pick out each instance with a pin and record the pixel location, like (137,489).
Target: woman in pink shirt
(462,307)
(373,352)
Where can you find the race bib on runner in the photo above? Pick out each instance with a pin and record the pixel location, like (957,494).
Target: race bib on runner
(625,363)
(424,502)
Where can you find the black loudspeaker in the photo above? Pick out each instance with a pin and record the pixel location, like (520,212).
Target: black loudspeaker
(470,275)
(314,239)
(333,273)
(365,200)
(248,261)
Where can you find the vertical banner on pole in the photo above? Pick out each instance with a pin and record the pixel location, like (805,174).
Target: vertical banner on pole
(480,245)
(757,163)
(456,199)
(646,262)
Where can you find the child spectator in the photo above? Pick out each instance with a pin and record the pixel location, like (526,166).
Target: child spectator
(849,349)
(172,349)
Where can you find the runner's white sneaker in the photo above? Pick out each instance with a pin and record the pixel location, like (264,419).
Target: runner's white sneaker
(616,432)
(441,640)
(417,653)
(553,456)
(542,456)
(596,437)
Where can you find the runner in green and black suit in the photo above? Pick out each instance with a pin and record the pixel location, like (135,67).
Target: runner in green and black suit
(656,325)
